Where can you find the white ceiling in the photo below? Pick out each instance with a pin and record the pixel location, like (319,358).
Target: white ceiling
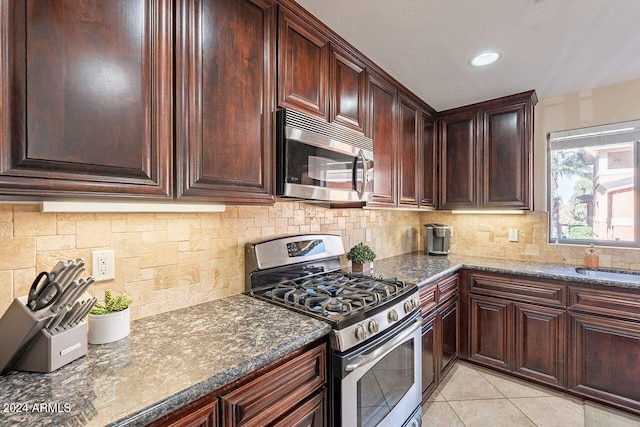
(556,47)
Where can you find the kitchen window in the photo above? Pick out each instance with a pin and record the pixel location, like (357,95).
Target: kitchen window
(594,185)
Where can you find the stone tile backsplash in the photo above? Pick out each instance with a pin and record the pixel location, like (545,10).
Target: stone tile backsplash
(488,235)
(169,261)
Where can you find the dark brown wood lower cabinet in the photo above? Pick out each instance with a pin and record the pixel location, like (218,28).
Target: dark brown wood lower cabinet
(580,338)
(289,392)
(526,339)
(205,416)
(490,337)
(440,331)
(540,337)
(265,399)
(605,359)
(448,319)
(312,413)
(429,359)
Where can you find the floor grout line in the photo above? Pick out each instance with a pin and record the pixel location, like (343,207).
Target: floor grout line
(522,412)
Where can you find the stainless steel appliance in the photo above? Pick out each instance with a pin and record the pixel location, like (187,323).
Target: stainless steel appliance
(321,161)
(437,239)
(376,352)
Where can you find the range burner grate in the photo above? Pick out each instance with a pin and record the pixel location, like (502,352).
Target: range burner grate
(335,293)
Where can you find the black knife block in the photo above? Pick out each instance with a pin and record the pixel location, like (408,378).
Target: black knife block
(23,336)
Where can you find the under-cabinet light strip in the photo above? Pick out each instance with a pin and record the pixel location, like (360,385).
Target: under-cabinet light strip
(488,212)
(82,206)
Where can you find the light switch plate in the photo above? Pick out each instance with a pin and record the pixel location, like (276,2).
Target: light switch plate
(513,234)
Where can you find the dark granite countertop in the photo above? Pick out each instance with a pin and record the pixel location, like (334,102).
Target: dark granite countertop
(169,360)
(420,268)
(174,358)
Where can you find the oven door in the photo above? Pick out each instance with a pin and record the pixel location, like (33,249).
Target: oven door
(381,384)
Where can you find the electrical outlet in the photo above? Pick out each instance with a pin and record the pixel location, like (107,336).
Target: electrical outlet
(367,234)
(103,265)
(513,234)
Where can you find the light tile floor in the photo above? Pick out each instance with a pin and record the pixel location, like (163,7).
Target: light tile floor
(472,396)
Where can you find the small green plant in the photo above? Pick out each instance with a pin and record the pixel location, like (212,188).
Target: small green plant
(360,254)
(111,304)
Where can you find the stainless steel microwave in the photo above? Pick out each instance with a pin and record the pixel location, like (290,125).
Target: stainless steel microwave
(316,160)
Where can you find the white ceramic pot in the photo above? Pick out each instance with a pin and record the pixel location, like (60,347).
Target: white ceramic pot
(104,328)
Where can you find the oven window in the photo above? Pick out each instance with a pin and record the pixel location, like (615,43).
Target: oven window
(380,389)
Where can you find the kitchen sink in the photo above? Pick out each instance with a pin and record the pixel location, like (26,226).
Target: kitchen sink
(610,274)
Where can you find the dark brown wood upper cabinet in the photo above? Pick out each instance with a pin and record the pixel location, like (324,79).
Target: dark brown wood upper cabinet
(348,88)
(508,155)
(486,154)
(303,66)
(85,98)
(225,103)
(383,131)
(459,154)
(409,152)
(429,160)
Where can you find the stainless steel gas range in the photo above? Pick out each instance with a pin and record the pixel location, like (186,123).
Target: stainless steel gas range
(376,352)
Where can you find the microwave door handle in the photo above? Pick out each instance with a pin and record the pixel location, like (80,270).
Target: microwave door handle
(385,349)
(365,170)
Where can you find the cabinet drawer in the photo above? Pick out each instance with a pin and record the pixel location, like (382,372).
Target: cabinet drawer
(606,302)
(519,289)
(312,413)
(205,416)
(428,297)
(447,287)
(266,398)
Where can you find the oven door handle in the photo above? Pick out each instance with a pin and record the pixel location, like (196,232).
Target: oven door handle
(385,349)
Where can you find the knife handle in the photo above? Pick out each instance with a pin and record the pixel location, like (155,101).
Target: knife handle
(84,311)
(66,321)
(56,320)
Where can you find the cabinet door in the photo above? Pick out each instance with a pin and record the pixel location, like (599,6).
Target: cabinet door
(540,338)
(382,124)
(429,161)
(605,359)
(429,357)
(449,321)
(348,87)
(409,151)
(225,104)
(85,98)
(490,331)
(303,66)
(507,147)
(459,161)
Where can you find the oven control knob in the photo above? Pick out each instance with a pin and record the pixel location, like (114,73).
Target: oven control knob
(408,306)
(393,316)
(373,326)
(416,303)
(360,333)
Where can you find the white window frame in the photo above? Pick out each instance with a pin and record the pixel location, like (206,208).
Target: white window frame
(610,134)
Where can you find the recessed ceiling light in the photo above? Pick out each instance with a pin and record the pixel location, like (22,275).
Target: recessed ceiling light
(485,58)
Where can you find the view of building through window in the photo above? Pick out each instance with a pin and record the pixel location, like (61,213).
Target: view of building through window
(592,184)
